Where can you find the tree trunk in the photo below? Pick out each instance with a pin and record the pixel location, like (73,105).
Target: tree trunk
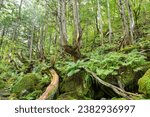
(1,4)
(20,6)
(77,27)
(109,22)
(72,50)
(17,22)
(41,49)
(31,44)
(131,20)
(100,21)
(125,22)
(2,36)
(62,22)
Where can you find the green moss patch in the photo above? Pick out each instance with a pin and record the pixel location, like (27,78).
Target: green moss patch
(28,82)
(144,84)
(2,84)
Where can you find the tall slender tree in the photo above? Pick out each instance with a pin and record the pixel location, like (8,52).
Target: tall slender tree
(62,22)
(109,21)
(100,21)
(77,27)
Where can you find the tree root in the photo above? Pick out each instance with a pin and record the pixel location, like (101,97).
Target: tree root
(52,88)
(116,89)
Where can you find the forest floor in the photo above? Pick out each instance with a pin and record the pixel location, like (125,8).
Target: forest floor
(121,73)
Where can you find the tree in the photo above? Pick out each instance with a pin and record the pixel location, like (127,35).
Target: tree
(62,22)
(99,21)
(127,27)
(77,28)
(109,22)
(75,49)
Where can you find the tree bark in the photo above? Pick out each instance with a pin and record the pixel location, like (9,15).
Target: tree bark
(100,22)
(62,22)
(2,35)
(1,4)
(31,44)
(128,22)
(77,27)
(41,48)
(17,22)
(74,50)
(131,21)
(126,32)
(109,22)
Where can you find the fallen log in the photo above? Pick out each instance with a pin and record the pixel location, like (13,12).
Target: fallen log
(52,88)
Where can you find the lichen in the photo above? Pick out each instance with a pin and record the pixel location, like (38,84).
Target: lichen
(144,84)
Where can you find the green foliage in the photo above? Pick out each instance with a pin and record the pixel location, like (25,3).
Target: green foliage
(19,76)
(73,68)
(28,82)
(108,64)
(40,66)
(32,96)
(44,81)
(144,84)
(2,84)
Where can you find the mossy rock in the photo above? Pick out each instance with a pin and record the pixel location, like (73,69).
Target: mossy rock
(144,84)
(2,84)
(76,84)
(72,96)
(28,82)
(127,77)
(67,96)
(32,96)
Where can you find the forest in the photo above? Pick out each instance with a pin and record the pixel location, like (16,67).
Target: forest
(74,49)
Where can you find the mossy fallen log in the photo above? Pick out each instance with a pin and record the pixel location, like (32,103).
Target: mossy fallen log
(52,87)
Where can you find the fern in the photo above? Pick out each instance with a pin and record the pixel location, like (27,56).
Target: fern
(108,64)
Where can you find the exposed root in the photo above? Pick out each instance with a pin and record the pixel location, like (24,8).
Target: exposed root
(116,89)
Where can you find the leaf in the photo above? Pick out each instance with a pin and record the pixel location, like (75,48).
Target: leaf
(72,72)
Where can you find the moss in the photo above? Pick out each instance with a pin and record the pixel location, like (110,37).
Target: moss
(77,84)
(28,82)
(72,96)
(13,96)
(127,77)
(144,84)
(129,48)
(34,95)
(140,97)
(45,81)
(116,98)
(2,84)
(66,96)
